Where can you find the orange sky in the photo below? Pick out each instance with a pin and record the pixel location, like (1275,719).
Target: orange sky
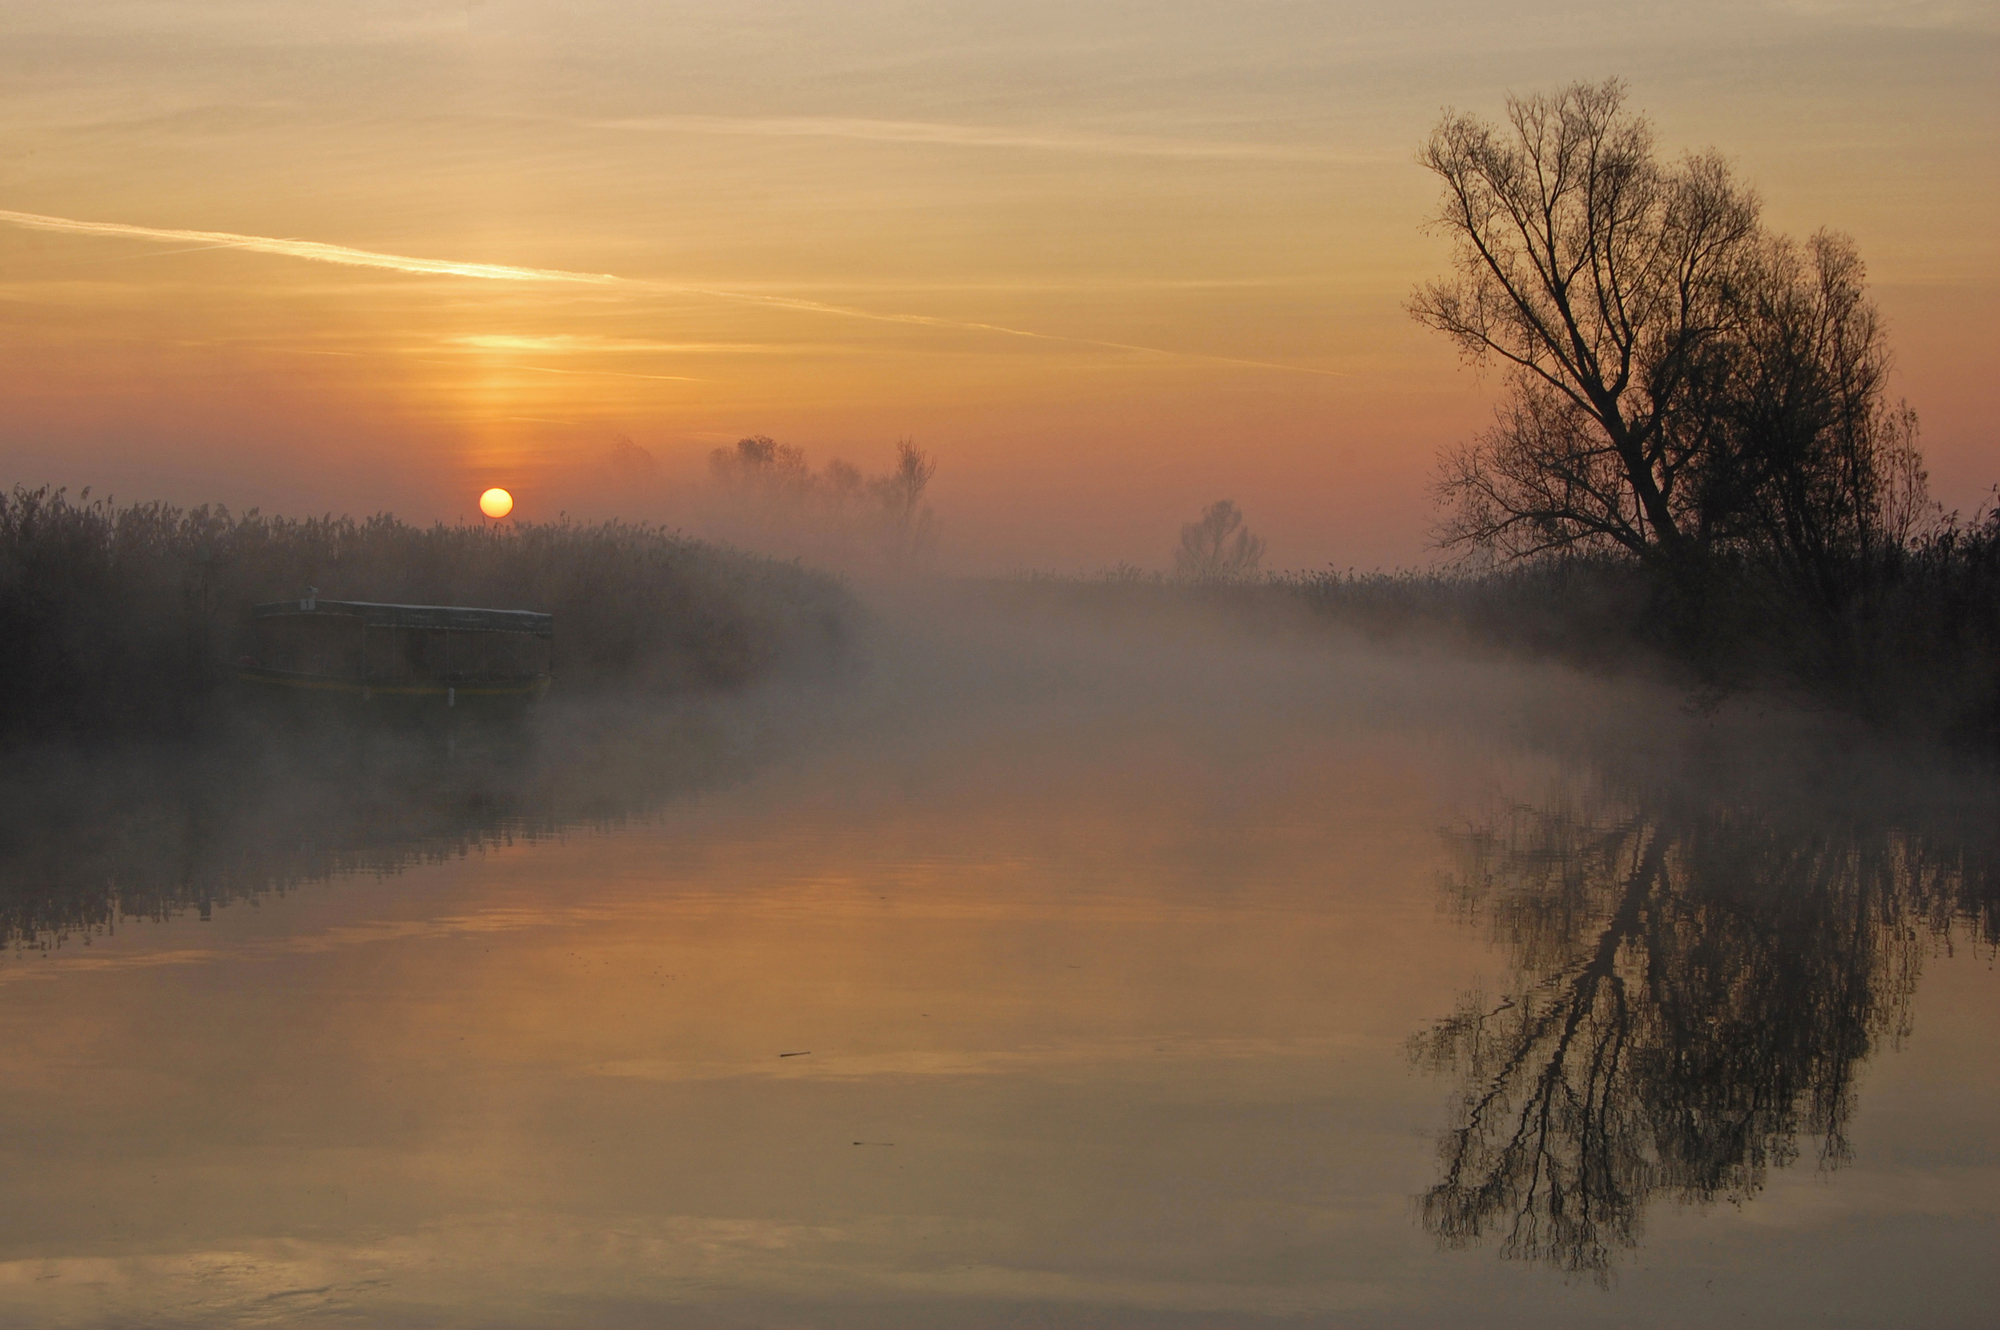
(1108,262)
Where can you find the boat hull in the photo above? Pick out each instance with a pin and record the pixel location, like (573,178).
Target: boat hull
(390,701)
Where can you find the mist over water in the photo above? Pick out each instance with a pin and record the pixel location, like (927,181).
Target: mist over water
(1066,958)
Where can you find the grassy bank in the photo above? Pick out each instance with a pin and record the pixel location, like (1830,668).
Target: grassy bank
(114,620)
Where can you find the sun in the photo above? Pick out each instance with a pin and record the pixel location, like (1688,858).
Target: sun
(496,502)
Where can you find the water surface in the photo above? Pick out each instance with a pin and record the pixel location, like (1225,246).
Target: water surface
(1045,972)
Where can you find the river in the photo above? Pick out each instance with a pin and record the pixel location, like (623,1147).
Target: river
(1055,966)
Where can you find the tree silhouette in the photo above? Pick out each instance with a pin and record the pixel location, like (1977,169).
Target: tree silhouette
(1682,383)
(764,494)
(909,530)
(1218,547)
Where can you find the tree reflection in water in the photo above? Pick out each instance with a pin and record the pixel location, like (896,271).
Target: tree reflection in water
(1696,981)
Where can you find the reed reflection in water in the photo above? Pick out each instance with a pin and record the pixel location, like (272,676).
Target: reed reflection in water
(1698,979)
(90,839)
(1051,974)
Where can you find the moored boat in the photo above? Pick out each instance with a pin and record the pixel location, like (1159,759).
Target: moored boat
(437,659)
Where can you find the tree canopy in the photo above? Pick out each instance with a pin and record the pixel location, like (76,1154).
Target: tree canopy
(1680,380)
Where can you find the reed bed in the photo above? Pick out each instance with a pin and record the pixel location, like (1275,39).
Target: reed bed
(1913,649)
(117,621)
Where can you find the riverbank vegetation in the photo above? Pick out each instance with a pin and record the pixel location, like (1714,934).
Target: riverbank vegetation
(1914,647)
(1914,650)
(115,621)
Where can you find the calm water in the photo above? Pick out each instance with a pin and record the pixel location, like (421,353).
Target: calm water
(1048,972)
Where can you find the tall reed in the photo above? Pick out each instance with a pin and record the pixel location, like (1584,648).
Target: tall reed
(117,620)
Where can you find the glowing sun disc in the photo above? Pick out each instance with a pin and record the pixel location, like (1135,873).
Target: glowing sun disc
(496,502)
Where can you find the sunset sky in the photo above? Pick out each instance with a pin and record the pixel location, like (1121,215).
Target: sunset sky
(1107,261)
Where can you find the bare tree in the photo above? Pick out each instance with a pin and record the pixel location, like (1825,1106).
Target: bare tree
(1219,547)
(1804,462)
(1682,383)
(908,528)
(1599,277)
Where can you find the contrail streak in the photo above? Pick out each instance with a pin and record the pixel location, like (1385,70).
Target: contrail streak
(320,252)
(307,249)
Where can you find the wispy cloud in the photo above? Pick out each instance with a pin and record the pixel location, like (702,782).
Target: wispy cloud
(978,136)
(570,344)
(320,252)
(315,250)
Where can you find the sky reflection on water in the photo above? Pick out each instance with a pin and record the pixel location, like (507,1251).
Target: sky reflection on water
(1078,992)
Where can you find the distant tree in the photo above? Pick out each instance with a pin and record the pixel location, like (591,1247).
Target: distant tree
(761,464)
(842,479)
(764,493)
(1218,547)
(630,464)
(1679,380)
(908,526)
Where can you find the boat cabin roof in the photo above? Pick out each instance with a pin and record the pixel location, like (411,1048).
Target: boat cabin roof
(455,618)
